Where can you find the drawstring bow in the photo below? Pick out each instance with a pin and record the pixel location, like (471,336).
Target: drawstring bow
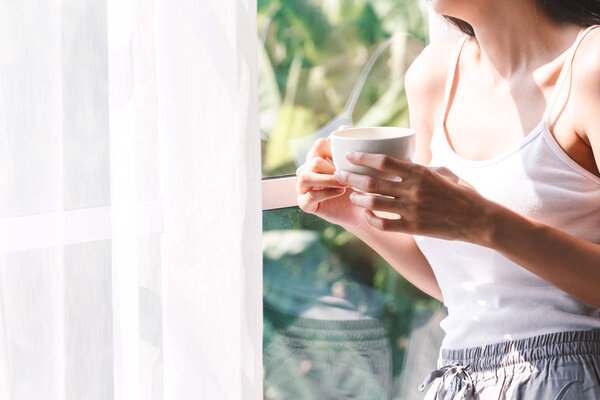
(457,383)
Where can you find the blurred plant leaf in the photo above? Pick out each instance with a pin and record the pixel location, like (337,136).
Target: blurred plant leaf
(370,29)
(403,16)
(387,107)
(293,122)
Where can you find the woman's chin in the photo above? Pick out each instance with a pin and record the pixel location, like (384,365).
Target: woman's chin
(450,8)
(441,6)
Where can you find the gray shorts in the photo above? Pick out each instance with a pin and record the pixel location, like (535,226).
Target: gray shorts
(555,366)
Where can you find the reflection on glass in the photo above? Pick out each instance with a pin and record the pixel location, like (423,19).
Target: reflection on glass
(327,63)
(339,323)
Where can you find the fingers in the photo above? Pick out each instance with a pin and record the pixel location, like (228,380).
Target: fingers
(383,163)
(316,174)
(309,202)
(308,181)
(391,225)
(318,165)
(378,203)
(321,166)
(321,148)
(369,184)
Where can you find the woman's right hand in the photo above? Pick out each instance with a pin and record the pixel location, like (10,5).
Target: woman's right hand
(320,193)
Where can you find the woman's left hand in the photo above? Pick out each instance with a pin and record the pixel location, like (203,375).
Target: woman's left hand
(430,202)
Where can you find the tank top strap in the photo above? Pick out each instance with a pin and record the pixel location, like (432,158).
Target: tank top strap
(451,76)
(563,74)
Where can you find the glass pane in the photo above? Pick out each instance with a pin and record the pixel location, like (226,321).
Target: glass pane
(315,74)
(339,322)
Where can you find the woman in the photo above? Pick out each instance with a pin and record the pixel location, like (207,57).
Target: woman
(500,214)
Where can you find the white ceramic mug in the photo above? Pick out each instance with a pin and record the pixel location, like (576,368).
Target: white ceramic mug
(399,143)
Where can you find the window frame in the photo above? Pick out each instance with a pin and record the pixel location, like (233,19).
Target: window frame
(279,192)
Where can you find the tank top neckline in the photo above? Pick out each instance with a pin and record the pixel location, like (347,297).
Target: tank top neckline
(541,128)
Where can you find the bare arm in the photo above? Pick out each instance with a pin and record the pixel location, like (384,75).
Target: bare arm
(321,194)
(424,84)
(401,252)
(570,263)
(566,261)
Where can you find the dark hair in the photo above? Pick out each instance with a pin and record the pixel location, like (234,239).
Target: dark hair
(578,12)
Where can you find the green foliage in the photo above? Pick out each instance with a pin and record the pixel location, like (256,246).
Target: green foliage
(314,52)
(370,30)
(304,254)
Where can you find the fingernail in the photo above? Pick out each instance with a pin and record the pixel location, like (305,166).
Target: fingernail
(352,196)
(339,175)
(351,155)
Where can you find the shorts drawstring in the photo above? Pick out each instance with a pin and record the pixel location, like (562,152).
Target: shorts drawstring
(457,383)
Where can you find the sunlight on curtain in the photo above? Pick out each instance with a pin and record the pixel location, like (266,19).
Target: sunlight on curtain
(130,254)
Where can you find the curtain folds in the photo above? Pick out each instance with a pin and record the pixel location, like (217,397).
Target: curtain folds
(130,254)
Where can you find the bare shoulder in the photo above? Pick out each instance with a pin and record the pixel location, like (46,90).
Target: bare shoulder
(587,62)
(426,77)
(425,82)
(586,84)
(428,72)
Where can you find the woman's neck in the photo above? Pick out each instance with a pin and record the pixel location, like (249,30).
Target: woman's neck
(516,36)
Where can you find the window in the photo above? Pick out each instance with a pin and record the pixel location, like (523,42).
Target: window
(326,63)
(339,322)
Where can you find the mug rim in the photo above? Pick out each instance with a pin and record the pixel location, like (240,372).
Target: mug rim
(408,132)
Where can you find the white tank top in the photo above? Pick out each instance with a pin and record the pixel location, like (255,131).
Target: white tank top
(490,298)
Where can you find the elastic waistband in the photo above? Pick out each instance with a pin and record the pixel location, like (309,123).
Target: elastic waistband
(552,345)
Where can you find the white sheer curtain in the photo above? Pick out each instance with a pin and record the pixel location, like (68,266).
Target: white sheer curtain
(130,255)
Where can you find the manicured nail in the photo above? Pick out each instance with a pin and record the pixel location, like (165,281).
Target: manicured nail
(352,196)
(340,175)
